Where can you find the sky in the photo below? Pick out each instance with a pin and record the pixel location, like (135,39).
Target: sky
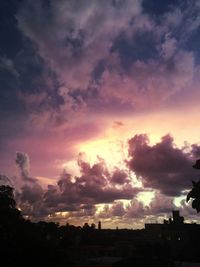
(99,108)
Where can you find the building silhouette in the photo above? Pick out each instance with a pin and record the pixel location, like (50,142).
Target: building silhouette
(99,225)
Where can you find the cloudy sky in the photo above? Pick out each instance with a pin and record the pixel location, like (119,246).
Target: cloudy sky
(99,108)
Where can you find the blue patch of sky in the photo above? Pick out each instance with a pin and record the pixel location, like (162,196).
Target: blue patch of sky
(192,44)
(142,47)
(32,76)
(157,8)
(11,45)
(7,81)
(30,68)
(11,38)
(187,39)
(9,102)
(46,3)
(117,3)
(192,39)
(22,52)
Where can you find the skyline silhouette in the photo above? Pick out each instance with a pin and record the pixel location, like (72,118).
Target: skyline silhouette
(173,242)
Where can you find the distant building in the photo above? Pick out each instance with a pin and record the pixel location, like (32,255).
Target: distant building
(176,222)
(178,235)
(99,225)
(177,219)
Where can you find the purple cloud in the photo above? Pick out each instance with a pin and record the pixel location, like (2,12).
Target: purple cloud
(95,185)
(162,166)
(22,160)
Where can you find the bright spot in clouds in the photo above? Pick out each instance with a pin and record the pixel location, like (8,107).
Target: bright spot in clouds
(110,150)
(146,197)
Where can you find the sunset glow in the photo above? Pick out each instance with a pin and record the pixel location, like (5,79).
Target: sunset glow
(99,116)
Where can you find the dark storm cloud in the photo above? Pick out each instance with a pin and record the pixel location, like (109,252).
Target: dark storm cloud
(162,166)
(118,209)
(95,185)
(80,194)
(31,194)
(120,177)
(196,150)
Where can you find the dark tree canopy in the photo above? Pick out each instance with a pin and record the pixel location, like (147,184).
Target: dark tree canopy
(8,211)
(195,192)
(7,200)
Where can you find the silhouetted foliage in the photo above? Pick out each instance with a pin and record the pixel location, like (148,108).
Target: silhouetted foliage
(7,197)
(195,192)
(9,214)
(23,242)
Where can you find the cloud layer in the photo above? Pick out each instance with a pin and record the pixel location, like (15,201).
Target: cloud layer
(100,61)
(95,185)
(76,64)
(162,168)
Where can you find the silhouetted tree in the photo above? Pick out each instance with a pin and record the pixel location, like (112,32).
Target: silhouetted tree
(195,192)
(93,226)
(7,197)
(8,211)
